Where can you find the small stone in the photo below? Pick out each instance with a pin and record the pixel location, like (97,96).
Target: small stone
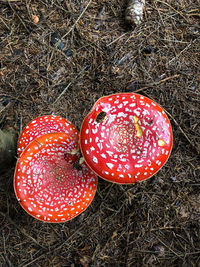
(56,41)
(148,49)
(35,19)
(60,45)
(68,52)
(42,70)
(5,101)
(173,179)
(158,249)
(55,37)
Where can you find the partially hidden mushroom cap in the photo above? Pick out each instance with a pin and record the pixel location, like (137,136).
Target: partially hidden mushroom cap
(126,138)
(48,185)
(43,125)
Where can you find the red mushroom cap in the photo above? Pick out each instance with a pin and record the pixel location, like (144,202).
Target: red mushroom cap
(43,125)
(126,138)
(46,182)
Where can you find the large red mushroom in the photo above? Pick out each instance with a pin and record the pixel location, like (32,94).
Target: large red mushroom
(43,125)
(47,182)
(126,138)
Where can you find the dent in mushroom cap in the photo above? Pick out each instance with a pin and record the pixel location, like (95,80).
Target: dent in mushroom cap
(132,141)
(43,125)
(47,185)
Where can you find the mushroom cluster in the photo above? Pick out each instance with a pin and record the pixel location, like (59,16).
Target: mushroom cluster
(125,138)
(47,182)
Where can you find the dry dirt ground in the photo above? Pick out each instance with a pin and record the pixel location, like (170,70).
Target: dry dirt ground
(61,61)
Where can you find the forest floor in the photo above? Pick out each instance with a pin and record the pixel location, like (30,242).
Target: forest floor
(77,52)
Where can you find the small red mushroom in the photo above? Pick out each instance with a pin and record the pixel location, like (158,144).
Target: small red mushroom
(126,138)
(43,125)
(47,183)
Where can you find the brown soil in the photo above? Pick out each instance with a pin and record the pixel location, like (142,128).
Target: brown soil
(153,223)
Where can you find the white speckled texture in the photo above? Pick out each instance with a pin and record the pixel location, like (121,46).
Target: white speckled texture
(131,143)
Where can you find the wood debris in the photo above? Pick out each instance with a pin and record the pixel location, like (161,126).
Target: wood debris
(134,11)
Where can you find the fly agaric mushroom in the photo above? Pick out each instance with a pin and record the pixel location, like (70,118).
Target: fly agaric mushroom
(43,125)
(47,184)
(126,138)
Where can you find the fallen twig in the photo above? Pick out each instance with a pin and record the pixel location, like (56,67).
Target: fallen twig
(20,229)
(178,12)
(53,248)
(79,17)
(69,84)
(157,83)
(193,145)
(116,39)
